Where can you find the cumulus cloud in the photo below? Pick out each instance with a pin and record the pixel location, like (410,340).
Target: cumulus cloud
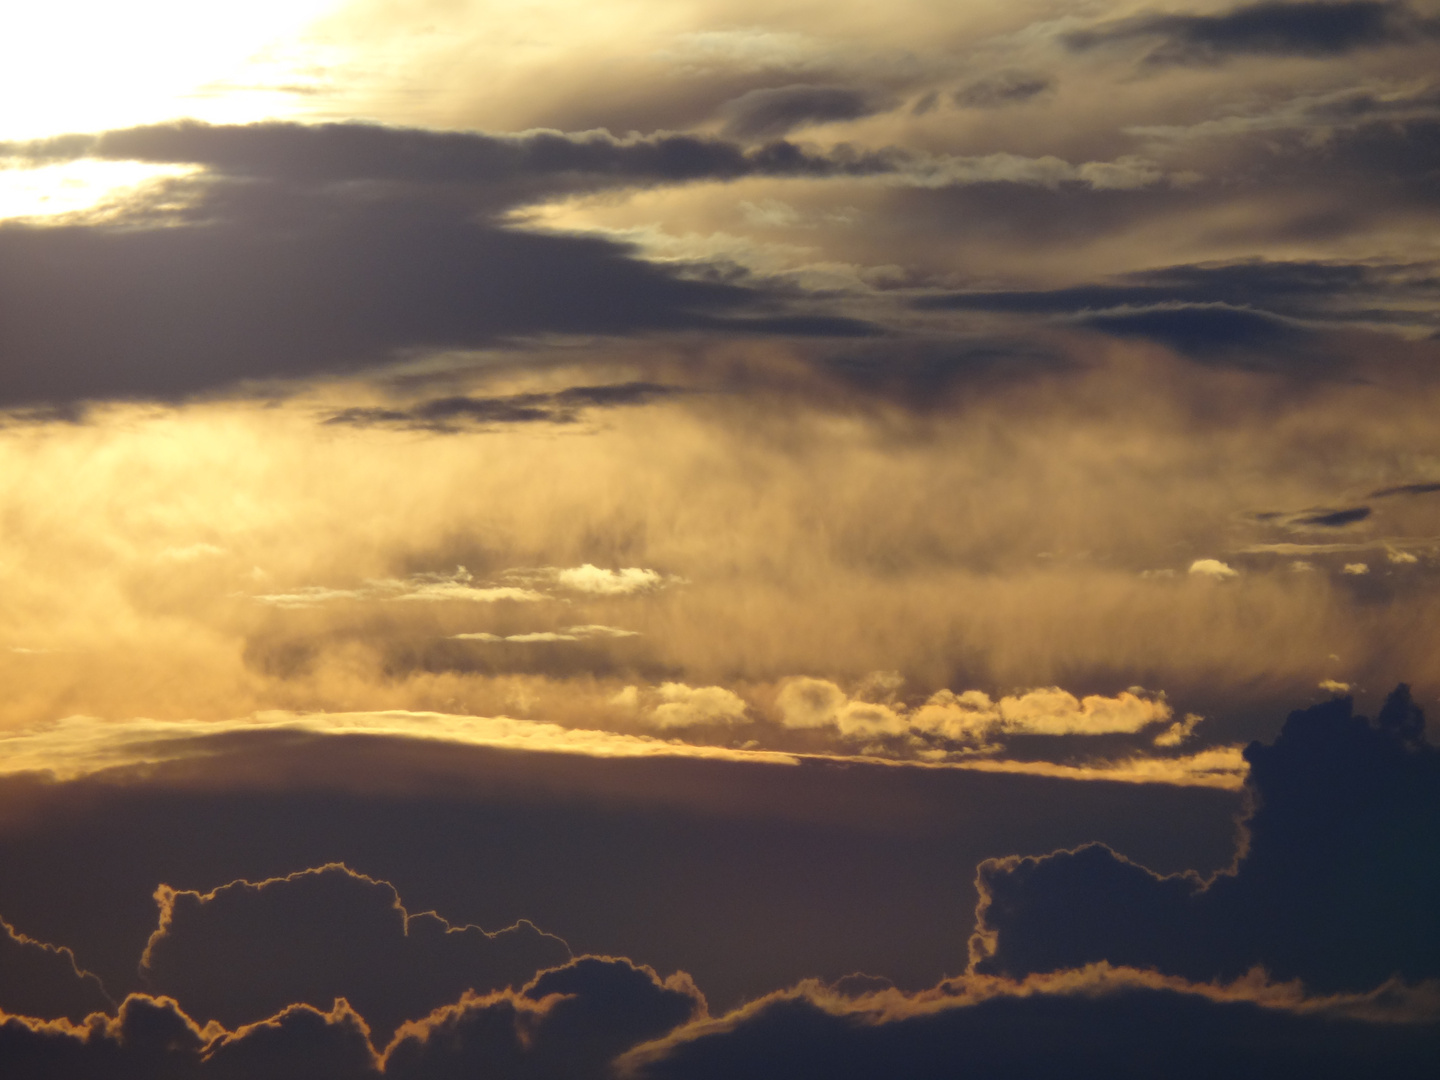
(687,706)
(38,979)
(1333,885)
(971,716)
(246,950)
(569,1021)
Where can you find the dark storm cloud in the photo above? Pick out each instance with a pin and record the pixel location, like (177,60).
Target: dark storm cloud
(452,413)
(1006,88)
(326,153)
(775,111)
(37,979)
(267,282)
(1099,1032)
(1338,885)
(1307,28)
(245,951)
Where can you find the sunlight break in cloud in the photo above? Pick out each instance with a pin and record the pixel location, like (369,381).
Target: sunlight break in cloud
(594,579)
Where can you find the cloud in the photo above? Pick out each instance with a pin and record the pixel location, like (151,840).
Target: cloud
(576,844)
(775,111)
(1405,489)
(594,579)
(1213,569)
(1334,519)
(570,633)
(147,309)
(1204,309)
(1222,768)
(298,1041)
(1005,88)
(1101,1021)
(37,979)
(1335,884)
(568,1022)
(576,1020)
(517,164)
(1314,28)
(245,951)
(1205,332)
(687,706)
(972,716)
(462,412)
(425,587)
(148,1037)
(77,746)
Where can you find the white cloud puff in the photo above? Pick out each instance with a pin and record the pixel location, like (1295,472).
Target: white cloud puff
(594,579)
(687,706)
(972,716)
(1213,569)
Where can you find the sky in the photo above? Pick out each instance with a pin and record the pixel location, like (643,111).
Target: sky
(704,539)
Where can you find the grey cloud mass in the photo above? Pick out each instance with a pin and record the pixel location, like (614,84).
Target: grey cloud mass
(773,112)
(1277,28)
(1006,88)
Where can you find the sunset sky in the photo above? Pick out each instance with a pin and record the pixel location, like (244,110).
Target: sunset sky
(716,539)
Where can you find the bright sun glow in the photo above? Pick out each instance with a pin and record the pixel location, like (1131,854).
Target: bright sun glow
(91,66)
(75,186)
